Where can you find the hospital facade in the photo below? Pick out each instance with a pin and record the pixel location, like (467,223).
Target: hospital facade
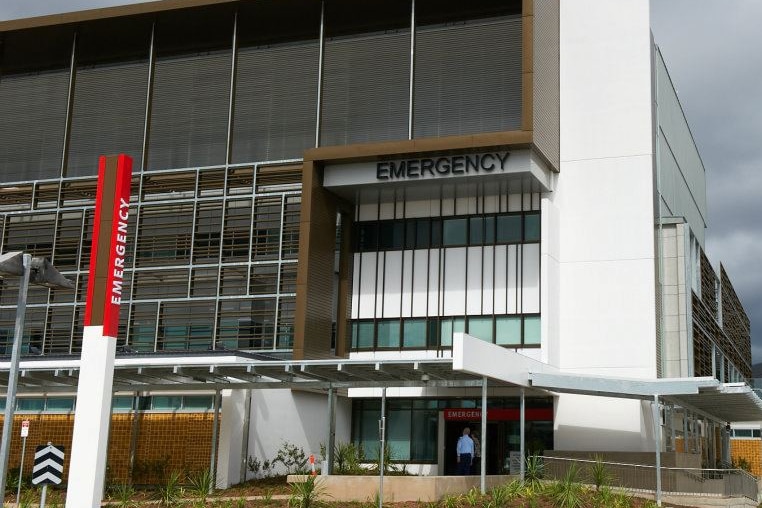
(360,187)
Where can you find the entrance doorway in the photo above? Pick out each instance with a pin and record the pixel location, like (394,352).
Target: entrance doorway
(503,435)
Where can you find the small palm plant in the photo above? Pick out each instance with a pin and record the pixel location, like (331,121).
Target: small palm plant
(202,484)
(568,493)
(306,494)
(599,474)
(122,494)
(171,492)
(534,472)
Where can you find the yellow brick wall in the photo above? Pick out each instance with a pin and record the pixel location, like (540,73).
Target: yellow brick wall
(750,450)
(165,442)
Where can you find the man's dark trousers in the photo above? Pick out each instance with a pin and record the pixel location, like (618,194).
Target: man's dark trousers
(464,466)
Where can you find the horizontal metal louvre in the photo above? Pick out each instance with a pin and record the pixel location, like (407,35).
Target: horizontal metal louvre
(154,284)
(32,124)
(468,78)
(247,324)
(189,112)
(186,325)
(275,102)
(68,238)
(165,235)
(108,115)
(366,89)
(57,337)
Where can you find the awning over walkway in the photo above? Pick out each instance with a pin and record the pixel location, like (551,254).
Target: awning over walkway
(233,370)
(472,362)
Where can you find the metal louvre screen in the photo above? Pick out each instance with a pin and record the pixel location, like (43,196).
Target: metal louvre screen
(468,78)
(189,111)
(32,124)
(366,89)
(275,102)
(108,115)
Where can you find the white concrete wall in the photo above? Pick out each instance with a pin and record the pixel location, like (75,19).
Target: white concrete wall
(296,417)
(604,195)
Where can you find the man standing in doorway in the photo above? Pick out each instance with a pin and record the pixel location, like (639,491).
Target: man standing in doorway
(465,451)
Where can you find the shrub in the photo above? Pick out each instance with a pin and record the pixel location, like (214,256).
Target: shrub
(567,493)
(599,475)
(292,457)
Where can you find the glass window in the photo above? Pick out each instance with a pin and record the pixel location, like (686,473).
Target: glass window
(436,233)
(410,235)
(198,402)
(450,326)
(415,333)
(481,328)
(454,231)
(388,333)
(532,227)
(433,338)
(508,331)
(60,404)
(30,404)
(508,228)
(423,435)
(489,230)
(422,233)
(532,330)
(391,235)
(122,403)
(475,230)
(363,335)
(399,434)
(366,237)
(166,402)
(2,404)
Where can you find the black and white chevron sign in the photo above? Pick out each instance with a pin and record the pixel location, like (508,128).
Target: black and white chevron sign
(48,464)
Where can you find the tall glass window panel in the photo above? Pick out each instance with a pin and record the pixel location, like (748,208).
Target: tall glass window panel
(532,330)
(468,77)
(108,115)
(33,113)
(399,426)
(508,331)
(454,231)
(414,333)
(34,91)
(508,228)
(423,435)
(275,101)
(481,328)
(476,230)
(362,334)
(450,326)
(388,334)
(189,113)
(532,227)
(366,83)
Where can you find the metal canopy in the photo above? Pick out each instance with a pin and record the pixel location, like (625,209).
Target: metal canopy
(233,370)
(733,402)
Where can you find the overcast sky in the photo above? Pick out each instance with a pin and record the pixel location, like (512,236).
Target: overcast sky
(712,51)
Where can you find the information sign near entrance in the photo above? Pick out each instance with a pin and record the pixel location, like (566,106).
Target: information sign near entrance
(104,294)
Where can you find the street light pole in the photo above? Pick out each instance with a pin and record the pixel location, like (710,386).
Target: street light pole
(38,271)
(10,397)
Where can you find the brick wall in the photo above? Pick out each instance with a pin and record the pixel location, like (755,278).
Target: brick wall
(163,442)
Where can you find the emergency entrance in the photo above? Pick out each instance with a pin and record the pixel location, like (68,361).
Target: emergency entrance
(503,436)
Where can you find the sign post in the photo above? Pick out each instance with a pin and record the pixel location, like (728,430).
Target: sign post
(24,434)
(48,468)
(96,371)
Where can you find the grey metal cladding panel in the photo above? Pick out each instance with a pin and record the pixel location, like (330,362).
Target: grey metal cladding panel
(189,112)
(275,102)
(32,125)
(547,102)
(468,78)
(108,115)
(366,89)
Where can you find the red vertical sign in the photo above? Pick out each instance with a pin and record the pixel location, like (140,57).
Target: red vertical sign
(107,257)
